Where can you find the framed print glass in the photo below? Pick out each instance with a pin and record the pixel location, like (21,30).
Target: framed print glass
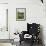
(20,14)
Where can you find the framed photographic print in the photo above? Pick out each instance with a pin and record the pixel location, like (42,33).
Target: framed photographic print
(20,14)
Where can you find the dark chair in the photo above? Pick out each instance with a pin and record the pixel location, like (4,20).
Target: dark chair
(32,29)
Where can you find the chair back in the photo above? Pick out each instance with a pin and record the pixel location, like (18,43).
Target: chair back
(33,28)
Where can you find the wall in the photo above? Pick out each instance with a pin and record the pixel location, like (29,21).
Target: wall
(31,5)
(35,12)
(3,1)
(3,21)
(3,34)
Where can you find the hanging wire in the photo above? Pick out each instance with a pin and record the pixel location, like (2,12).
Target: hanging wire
(42,1)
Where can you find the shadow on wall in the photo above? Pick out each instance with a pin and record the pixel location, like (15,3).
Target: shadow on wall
(41,34)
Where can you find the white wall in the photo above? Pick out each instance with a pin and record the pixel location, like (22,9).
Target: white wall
(3,21)
(35,12)
(4,34)
(3,1)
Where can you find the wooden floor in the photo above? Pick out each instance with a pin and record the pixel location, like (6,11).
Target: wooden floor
(27,44)
(6,40)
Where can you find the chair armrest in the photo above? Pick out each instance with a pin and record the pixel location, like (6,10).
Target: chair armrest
(22,35)
(24,32)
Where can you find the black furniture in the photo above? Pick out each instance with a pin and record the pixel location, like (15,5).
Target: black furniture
(33,30)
